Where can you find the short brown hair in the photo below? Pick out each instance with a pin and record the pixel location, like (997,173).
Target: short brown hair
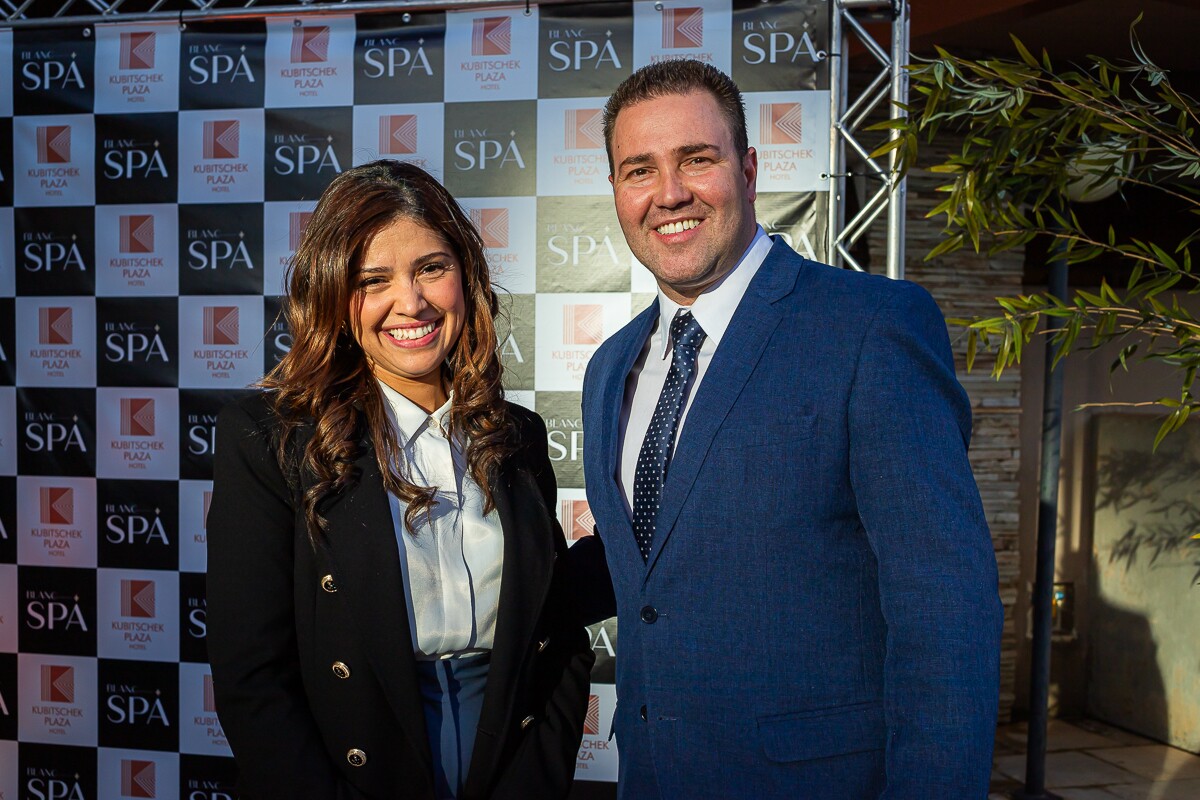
(678,76)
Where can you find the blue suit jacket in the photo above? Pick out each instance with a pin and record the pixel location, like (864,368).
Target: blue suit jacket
(819,614)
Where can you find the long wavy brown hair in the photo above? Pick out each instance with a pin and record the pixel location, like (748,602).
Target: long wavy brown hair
(325,382)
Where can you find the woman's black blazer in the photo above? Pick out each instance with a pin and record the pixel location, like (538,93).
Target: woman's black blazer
(311,649)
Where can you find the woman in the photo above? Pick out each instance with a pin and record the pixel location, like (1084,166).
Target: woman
(386,614)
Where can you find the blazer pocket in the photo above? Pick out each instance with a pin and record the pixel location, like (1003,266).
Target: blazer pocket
(823,733)
(762,431)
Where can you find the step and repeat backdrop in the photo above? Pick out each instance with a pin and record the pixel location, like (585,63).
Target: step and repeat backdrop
(154,181)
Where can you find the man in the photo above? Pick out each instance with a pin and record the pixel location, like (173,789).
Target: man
(777,464)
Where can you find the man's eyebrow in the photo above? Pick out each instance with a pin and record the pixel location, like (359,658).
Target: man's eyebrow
(640,158)
(684,150)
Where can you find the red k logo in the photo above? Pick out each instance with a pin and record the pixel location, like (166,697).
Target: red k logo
(221,325)
(683,27)
(398,134)
(779,123)
(58,684)
(492,224)
(137,599)
(221,138)
(591,723)
(137,233)
(137,416)
(584,129)
(583,324)
(137,50)
(210,703)
(491,36)
(54,144)
(577,519)
(297,222)
(57,505)
(137,778)
(310,45)
(54,325)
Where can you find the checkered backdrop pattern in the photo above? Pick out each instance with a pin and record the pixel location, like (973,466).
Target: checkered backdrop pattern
(154,181)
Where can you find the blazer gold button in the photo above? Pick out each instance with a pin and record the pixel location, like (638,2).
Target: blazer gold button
(543,644)
(525,723)
(341,670)
(356,757)
(327,584)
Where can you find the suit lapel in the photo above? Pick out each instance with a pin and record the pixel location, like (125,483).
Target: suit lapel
(366,561)
(525,579)
(754,322)
(612,387)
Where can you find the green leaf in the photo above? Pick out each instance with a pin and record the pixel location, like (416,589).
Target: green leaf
(888,147)
(945,246)
(1026,56)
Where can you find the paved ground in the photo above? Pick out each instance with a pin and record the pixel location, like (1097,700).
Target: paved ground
(1089,760)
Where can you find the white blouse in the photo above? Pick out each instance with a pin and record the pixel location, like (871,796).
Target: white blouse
(452,566)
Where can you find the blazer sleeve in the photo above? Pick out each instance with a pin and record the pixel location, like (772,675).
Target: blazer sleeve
(252,643)
(543,764)
(909,422)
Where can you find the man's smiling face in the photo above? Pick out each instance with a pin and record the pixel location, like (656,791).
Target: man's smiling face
(684,196)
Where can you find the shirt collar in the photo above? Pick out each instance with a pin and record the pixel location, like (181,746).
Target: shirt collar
(411,420)
(714,308)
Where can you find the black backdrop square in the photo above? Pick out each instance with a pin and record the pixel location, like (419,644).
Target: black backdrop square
(221,248)
(139,704)
(8,341)
(221,65)
(55,250)
(52,70)
(56,771)
(193,613)
(8,521)
(197,428)
(137,158)
(56,432)
(137,341)
(138,524)
(57,610)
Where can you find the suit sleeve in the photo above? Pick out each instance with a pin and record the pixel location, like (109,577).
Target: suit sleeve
(910,425)
(543,765)
(251,623)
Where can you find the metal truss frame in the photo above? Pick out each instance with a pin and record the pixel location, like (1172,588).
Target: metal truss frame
(879,185)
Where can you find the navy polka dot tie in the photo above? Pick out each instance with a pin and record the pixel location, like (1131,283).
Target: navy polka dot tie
(655,455)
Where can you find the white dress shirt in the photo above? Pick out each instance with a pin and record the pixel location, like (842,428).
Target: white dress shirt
(714,311)
(452,566)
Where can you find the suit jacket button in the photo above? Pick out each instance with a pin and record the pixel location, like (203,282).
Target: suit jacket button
(649,614)
(341,670)
(642,713)
(356,757)
(543,644)
(327,584)
(525,723)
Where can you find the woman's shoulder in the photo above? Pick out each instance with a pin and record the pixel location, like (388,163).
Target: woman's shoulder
(528,423)
(254,408)
(254,413)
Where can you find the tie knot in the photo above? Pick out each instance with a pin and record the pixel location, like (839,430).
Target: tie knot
(686,332)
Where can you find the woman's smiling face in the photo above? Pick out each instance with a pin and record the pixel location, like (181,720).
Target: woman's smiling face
(408,308)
